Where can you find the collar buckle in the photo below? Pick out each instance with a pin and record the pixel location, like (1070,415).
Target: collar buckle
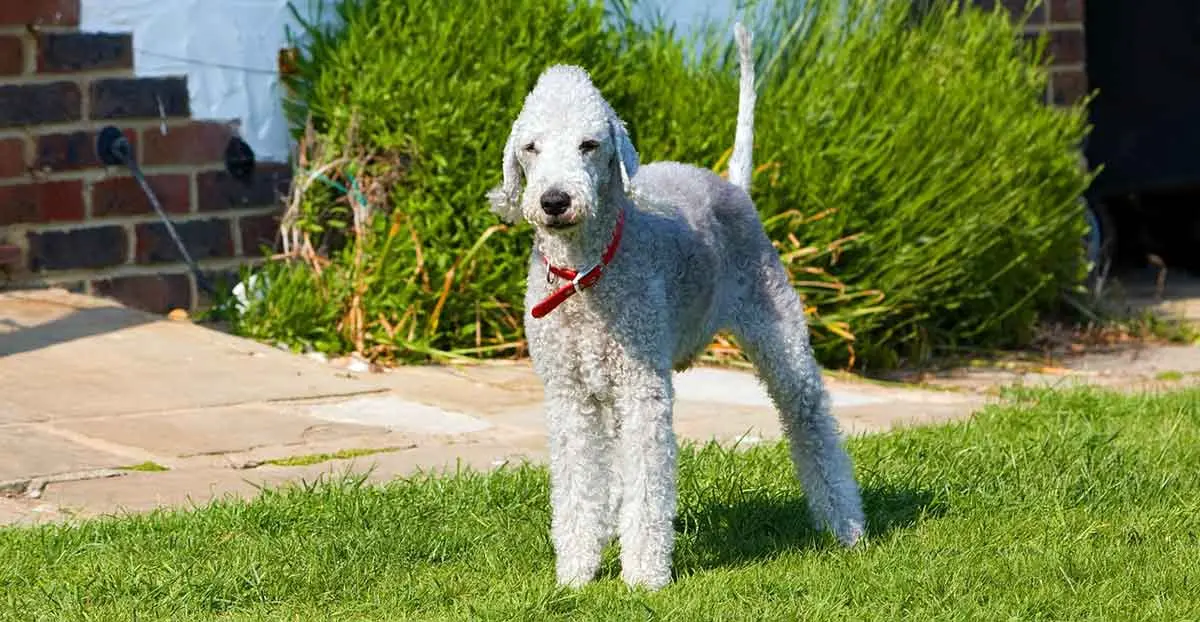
(587,278)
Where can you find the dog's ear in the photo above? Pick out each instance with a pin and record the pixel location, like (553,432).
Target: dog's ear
(506,198)
(625,157)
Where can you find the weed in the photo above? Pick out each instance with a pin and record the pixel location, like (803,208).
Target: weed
(341,454)
(145,467)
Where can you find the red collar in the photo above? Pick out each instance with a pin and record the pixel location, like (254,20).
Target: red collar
(579,280)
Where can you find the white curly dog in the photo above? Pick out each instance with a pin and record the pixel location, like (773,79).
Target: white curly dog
(634,270)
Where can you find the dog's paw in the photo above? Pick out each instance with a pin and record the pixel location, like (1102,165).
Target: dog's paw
(850,532)
(574,575)
(651,581)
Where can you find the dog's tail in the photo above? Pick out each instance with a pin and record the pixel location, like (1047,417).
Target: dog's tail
(741,163)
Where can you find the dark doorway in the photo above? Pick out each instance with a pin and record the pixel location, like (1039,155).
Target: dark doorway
(1144,59)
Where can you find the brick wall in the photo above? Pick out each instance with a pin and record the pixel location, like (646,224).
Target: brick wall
(1062,21)
(67,220)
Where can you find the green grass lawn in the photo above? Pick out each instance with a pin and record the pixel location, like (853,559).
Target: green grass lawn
(1062,506)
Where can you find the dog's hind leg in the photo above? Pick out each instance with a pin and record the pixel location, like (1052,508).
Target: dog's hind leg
(770,327)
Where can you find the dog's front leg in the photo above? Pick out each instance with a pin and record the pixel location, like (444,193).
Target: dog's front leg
(579,459)
(648,456)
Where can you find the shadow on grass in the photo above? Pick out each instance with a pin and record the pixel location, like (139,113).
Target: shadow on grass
(763,527)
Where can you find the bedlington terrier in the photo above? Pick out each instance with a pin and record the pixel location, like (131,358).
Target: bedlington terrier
(634,269)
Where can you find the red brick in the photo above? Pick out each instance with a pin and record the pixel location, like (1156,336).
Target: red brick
(194,143)
(1066,10)
(70,52)
(1017,9)
(12,157)
(218,190)
(139,98)
(123,196)
(33,104)
(10,255)
(257,232)
(1030,39)
(39,12)
(1068,87)
(1066,47)
(71,151)
(41,202)
(152,293)
(12,55)
(203,239)
(94,247)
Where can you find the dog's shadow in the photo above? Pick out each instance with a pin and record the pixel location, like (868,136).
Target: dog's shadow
(760,527)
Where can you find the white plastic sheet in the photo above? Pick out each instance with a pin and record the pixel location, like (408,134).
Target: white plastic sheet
(228,49)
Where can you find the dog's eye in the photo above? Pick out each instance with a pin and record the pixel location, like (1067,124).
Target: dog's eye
(530,148)
(588,146)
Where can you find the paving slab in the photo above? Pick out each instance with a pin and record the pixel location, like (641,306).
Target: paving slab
(394,413)
(1133,368)
(490,388)
(140,492)
(1178,299)
(497,387)
(223,429)
(729,386)
(63,355)
(28,451)
(14,512)
(144,491)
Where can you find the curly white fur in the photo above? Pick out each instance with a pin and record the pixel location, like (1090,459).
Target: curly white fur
(694,260)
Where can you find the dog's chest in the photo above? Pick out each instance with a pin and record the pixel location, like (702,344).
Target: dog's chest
(574,344)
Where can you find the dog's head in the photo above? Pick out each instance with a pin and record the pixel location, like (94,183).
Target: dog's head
(568,155)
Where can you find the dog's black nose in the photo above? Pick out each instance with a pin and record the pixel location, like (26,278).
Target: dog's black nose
(555,202)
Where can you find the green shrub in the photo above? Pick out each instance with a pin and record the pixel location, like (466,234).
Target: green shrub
(919,190)
(932,142)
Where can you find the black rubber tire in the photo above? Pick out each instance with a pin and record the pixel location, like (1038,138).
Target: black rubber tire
(1100,242)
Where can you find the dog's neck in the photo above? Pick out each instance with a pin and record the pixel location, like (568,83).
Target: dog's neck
(584,246)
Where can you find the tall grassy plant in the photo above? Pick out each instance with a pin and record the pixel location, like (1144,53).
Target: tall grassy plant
(928,135)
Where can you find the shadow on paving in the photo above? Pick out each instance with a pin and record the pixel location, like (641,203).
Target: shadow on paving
(18,338)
